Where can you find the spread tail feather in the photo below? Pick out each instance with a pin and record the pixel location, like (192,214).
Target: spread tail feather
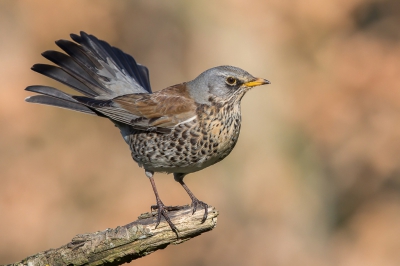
(54,97)
(91,67)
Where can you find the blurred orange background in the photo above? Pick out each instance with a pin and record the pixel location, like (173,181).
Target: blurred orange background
(314,179)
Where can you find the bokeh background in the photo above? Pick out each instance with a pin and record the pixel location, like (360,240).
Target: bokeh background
(314,178)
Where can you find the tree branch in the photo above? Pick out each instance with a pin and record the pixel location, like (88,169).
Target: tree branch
(128,242)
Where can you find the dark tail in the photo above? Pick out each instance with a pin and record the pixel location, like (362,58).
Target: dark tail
(91,67)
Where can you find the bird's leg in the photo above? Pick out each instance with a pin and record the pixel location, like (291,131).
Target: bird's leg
(161,208)
(195,201)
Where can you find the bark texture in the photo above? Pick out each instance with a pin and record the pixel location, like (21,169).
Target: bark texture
(128,242)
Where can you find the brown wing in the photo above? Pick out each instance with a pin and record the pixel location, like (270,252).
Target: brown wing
(162,109)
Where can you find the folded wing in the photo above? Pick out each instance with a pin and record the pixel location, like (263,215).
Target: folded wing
(160,111)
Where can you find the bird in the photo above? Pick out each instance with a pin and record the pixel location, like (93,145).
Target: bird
(180,129)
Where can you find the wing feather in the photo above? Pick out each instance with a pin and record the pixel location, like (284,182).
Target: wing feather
(161,110)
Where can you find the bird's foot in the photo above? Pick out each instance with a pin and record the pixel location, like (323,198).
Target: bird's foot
(162,210)
(196,203)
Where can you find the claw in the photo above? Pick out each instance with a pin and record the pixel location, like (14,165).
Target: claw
(162,211)
(195,203)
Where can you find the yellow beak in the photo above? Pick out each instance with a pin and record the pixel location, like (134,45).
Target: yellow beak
(256,82)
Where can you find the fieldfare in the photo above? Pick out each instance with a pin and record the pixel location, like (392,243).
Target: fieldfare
(180,129)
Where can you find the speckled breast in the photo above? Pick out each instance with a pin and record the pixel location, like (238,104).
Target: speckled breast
(189,147)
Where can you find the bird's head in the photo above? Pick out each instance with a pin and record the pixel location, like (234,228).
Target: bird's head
(223,83)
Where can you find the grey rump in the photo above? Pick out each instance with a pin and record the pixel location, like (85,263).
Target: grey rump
(180,129)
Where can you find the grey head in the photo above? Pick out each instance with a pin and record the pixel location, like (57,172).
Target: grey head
(224,83)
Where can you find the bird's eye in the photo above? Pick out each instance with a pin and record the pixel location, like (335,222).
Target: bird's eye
(231,80)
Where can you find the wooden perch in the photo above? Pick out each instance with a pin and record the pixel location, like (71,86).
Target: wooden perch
(128,242)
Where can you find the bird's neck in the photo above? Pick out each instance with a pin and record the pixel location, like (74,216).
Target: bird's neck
(228,114)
